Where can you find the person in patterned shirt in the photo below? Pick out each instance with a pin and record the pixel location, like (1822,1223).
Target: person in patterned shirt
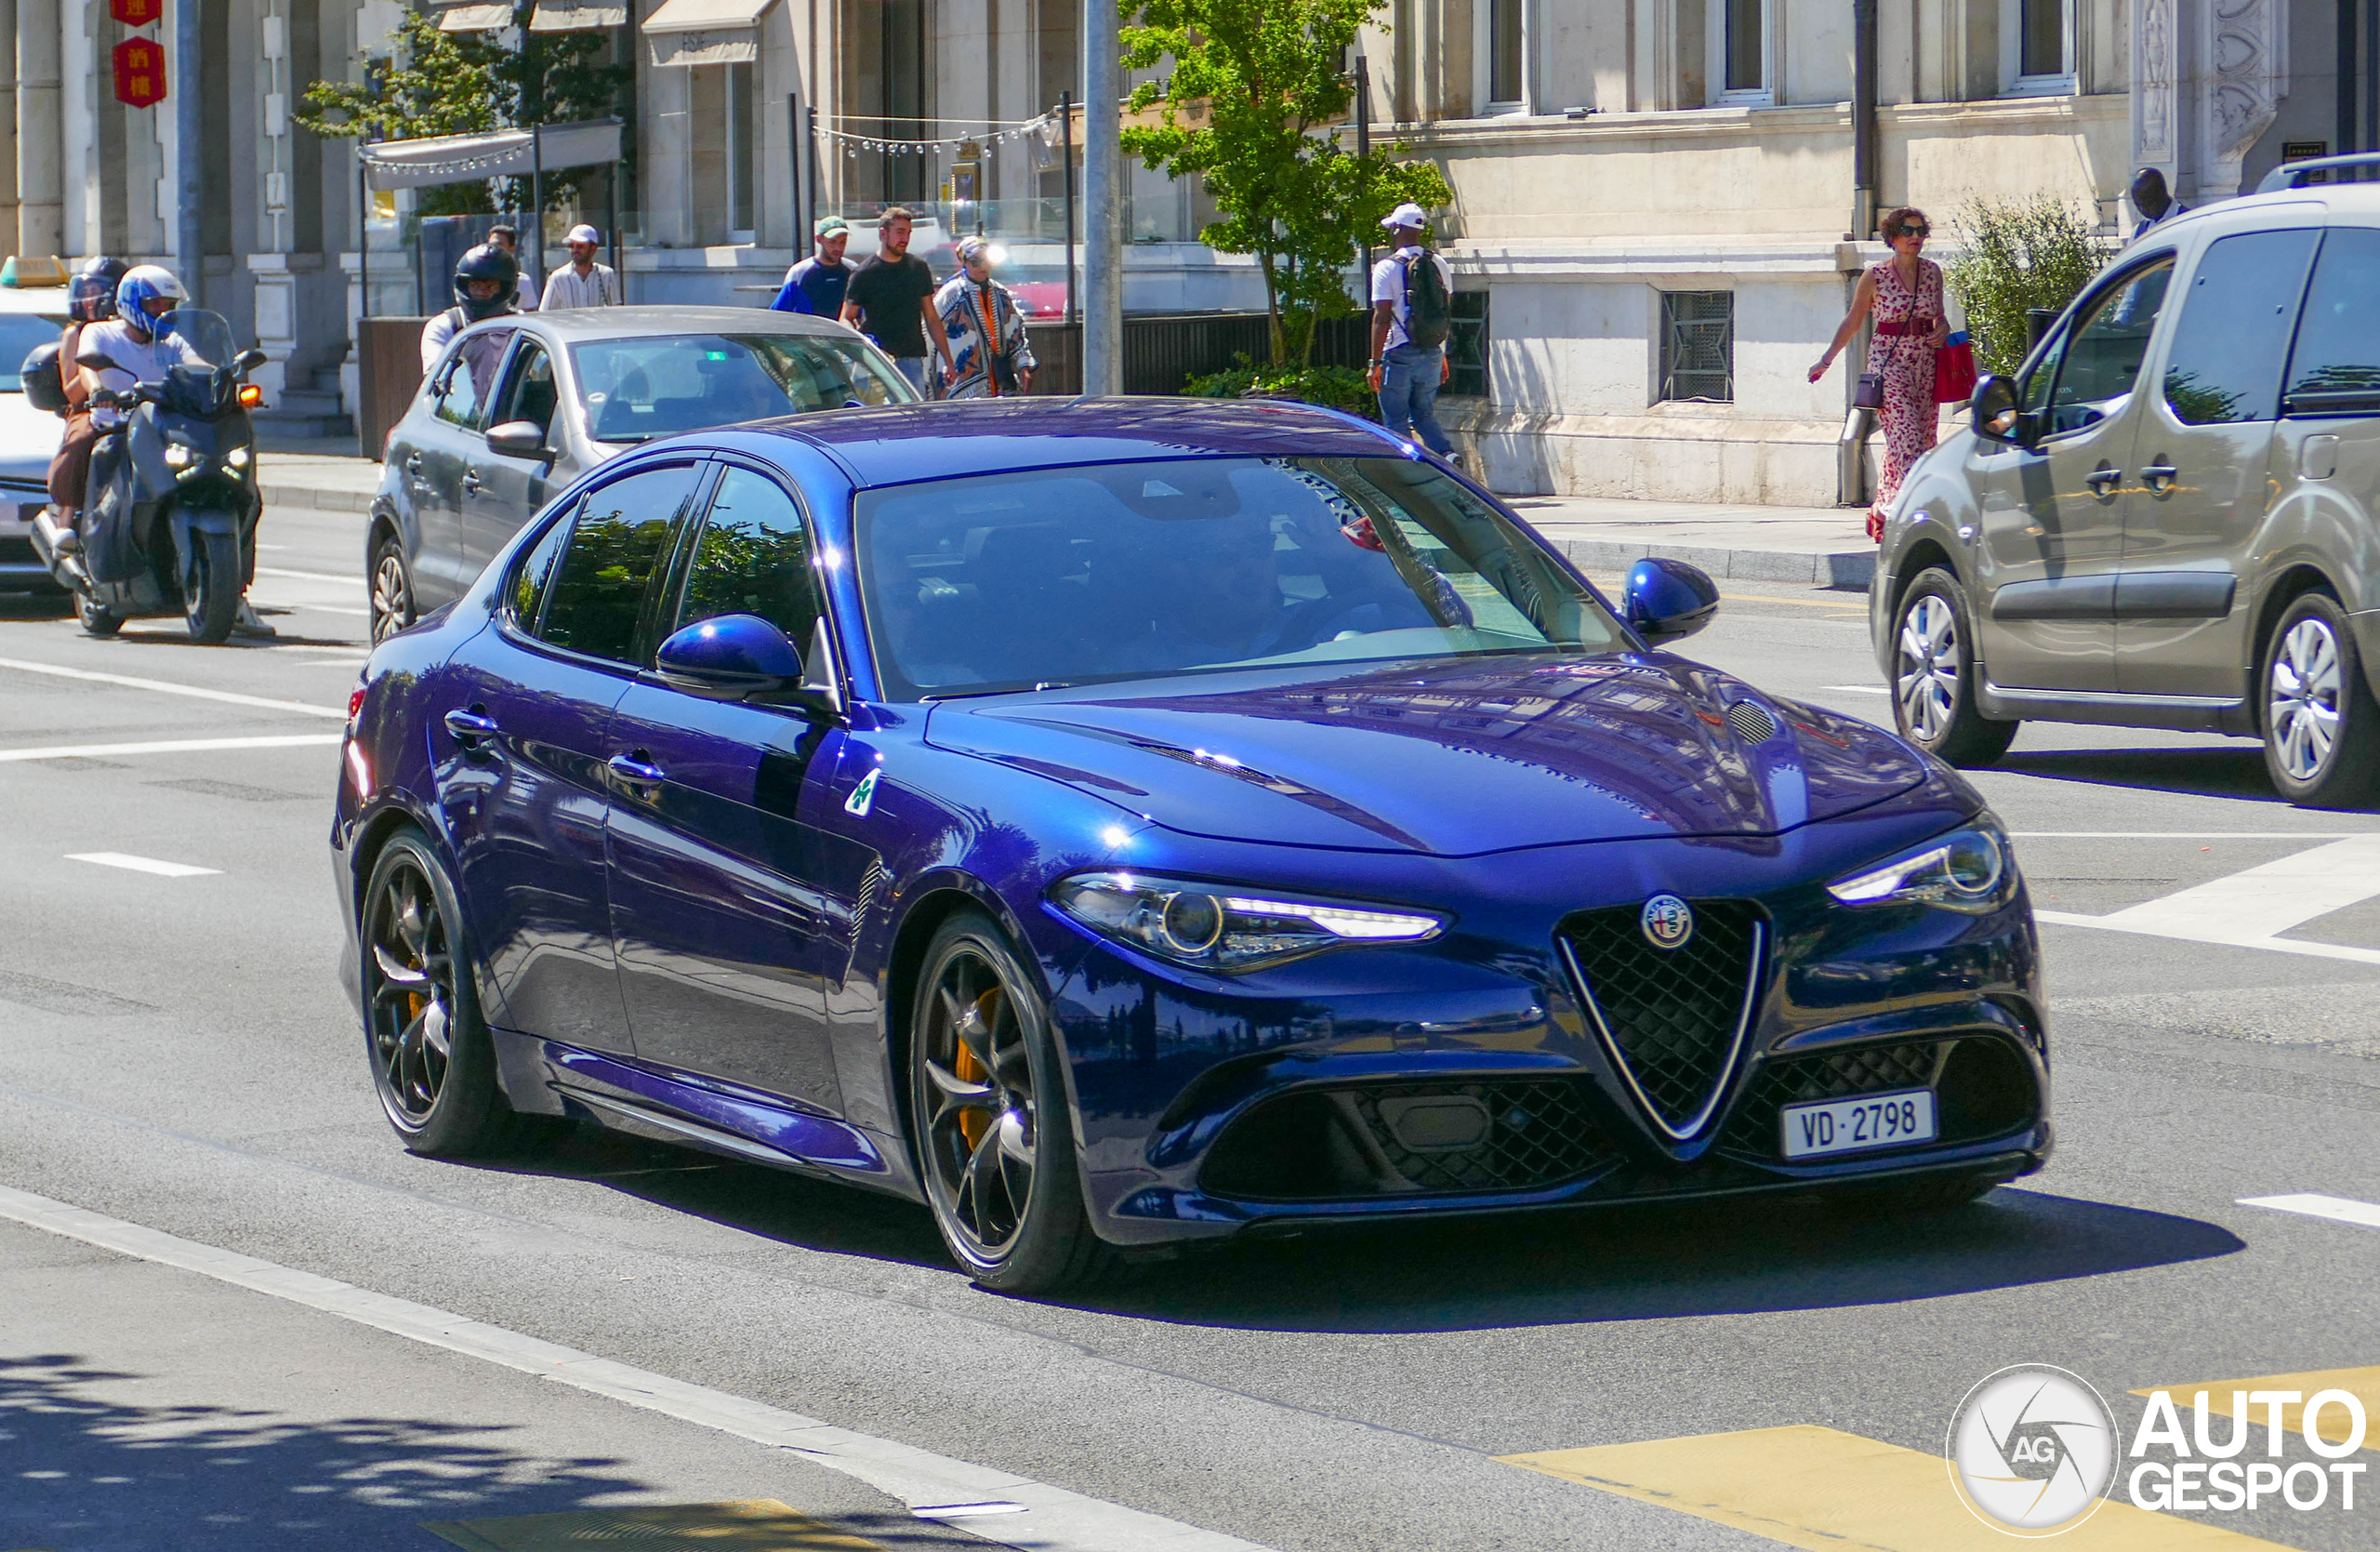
(991,357)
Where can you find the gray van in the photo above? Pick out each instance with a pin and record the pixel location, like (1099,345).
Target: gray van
(2170,515)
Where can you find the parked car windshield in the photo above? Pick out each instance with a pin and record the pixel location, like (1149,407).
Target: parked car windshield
(20,335)
(1144,570)
(636,390)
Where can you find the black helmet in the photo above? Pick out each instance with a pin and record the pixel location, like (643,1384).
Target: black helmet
(487,262)
(92,297)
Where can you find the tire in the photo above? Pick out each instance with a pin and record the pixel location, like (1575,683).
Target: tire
(211,589)
(94,618)
(2322,727)
(1933,677)
(990,1120)
(392,584)
(419,993)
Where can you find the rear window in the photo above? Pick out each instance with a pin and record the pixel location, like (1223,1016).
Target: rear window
(637,389)
(2235,326)
(2336,369)
(20,335)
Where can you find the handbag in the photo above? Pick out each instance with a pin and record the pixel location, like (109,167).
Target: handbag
(1954,374)
(1870,392)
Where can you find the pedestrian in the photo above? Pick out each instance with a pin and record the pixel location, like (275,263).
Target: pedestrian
(991,357)
(815,285)
(886,299)
(1905,293)
(485,282)
(1412,308)
(509,239)
(582,282)
(2150,198)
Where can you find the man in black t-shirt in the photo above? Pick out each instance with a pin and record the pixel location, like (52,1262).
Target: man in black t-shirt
(886,300)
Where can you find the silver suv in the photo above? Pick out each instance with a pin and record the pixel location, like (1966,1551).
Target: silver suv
(2170,516)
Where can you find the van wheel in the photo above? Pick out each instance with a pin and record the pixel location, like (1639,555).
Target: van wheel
(1934,676)
(2322,725)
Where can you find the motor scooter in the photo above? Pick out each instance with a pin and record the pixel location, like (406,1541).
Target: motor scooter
(170,525)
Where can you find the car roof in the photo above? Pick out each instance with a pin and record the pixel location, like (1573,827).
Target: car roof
(575,324)
(899,445)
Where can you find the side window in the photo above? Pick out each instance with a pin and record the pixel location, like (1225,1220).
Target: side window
(2336,369)
(753,558)
(529,395)
(2102,362)
(2236,319)
(527,594)
(597,594)
(463,393)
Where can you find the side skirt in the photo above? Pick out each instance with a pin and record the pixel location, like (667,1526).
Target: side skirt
(2183,713)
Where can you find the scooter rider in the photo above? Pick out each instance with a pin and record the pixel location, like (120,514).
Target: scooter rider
(91,300)
(487,285)
(129,349)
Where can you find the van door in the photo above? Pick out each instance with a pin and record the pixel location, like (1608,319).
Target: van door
(2202,488)
(2052,514)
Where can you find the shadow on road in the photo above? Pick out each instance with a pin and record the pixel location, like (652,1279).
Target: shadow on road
(2226,770)
(90,1468)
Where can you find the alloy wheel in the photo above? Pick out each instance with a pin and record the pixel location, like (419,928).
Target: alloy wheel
(982,1111)
(2302,699)
(1926,676)
(412,985)
(392,596)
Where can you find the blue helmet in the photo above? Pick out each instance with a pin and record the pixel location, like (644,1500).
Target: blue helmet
(92,297)
(141,282)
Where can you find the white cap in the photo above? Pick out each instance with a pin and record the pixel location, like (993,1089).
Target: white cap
(584,233)
(1406,215)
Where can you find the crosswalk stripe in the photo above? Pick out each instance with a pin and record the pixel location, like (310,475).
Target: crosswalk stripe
(1826,1490)
(172,746)
(2315,1205)
(2331,1422)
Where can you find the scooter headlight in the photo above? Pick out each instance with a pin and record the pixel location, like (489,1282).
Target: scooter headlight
(181,456)
(239,459)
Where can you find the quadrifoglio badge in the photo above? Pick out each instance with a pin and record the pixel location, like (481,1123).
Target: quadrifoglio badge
(2035,1451)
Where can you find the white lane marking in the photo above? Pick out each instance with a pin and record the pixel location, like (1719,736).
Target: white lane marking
(2340,1209)
(963,1511)
(321,608)
(172,746)
(141,864)
(165,688)
(352,579)
(2264,901)
(1859,689)
(2272,945)
(1052,1519)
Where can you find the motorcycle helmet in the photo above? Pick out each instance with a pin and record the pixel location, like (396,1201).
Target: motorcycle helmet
(92,298)
(140,283)
(487,262)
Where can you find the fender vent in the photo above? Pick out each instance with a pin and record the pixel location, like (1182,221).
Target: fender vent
(1752,724)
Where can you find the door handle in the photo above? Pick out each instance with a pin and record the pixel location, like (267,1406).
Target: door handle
(636,770)
(471,728)
(2099,479)
(472,481)
(2160,476)
(413,465)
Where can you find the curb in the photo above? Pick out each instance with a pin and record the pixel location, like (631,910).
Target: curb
(315,498)
(1849,569)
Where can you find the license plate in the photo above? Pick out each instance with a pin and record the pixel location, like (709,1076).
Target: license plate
(1853,1125)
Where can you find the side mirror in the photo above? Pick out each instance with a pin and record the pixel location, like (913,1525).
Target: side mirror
(729,657)
(1668,600)
(1992,411)
(249,360)
(519,439)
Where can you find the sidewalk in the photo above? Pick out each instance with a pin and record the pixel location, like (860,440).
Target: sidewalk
(1814,547)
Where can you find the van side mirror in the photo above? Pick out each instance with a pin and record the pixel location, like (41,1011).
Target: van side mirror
(1994,413)
(1668,599)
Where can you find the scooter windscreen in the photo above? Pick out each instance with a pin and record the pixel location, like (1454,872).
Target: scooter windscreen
(202,381)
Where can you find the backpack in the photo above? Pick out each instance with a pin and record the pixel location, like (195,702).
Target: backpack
(1428,314)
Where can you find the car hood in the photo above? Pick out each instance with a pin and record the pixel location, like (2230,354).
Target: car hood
(1451,757)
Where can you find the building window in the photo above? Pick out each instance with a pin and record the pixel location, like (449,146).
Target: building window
(742,152)
(1744,43)
(1505,86)
(1467,344)
(1699,346)
(2036,46)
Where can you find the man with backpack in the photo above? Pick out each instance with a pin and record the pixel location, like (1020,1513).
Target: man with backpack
(1412,311)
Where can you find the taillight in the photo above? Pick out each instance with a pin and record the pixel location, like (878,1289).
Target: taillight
(355,702)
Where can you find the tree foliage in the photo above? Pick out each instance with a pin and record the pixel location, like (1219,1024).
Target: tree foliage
(2015,255)
(468,84)
(1268,75)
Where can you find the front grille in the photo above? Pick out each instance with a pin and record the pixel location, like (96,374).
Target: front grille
(1342,1143)
(1753,724)
(1674,1017)
(1981,1088)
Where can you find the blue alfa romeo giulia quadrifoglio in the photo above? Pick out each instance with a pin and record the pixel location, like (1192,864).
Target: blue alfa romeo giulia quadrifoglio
(1118,822)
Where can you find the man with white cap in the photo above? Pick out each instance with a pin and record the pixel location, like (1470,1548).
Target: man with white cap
(1412,311)
(582,282)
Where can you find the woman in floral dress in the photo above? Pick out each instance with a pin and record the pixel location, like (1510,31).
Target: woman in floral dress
(1904,293)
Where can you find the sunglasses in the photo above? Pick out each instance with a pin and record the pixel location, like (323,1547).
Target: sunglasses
(1913,229)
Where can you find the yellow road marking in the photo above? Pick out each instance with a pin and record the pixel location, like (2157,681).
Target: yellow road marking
(1829,1491)
(743,1525)
(2362,1384)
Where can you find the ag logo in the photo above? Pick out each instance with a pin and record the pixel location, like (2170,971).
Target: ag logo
(1668,922)
(2032,1449)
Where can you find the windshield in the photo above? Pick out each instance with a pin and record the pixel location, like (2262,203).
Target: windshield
(205,336)
(636,390)
(1147,570)
(20,335)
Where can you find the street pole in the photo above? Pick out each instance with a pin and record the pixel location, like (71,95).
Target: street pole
(793,162)
(190,140)
(1364,151)
(1066,160)
(1863,119)
(1102,189)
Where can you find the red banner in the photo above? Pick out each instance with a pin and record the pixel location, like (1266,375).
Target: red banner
(136,13)
(139,73)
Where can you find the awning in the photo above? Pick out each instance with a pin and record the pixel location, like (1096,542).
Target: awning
(475,19)
(578,15)
(706,32)
(462,158)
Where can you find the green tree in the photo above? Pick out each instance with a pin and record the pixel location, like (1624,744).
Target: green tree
(2015,255)
(466,84)
(1267,74)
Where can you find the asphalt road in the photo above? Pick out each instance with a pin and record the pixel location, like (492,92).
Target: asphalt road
(175,1055)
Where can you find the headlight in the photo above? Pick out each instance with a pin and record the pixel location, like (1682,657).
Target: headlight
(1215,927)
(237,458)
(1967,869)
(180,455)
